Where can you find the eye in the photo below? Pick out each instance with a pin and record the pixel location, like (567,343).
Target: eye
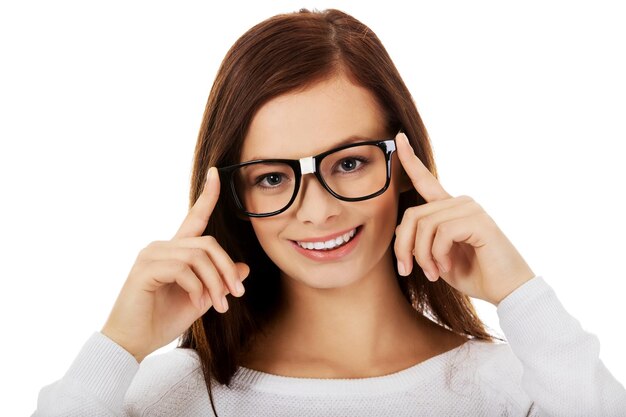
(351,164)
(269,180)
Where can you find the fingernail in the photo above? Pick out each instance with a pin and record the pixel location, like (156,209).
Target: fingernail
(243,274)
(401,269)
(441,268)
(430,278)
(239,287)
(224,302)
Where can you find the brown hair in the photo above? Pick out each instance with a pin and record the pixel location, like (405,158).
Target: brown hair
(282,54)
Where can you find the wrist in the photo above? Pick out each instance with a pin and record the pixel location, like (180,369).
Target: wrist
(517,283)
(121,343)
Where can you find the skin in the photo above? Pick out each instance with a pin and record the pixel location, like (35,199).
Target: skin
(346,318)
(340,319)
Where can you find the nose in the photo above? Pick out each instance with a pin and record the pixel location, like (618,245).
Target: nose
(314,204)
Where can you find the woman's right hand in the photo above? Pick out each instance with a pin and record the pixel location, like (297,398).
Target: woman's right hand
(173,283)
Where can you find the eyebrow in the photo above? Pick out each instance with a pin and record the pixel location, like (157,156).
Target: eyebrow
(350,139)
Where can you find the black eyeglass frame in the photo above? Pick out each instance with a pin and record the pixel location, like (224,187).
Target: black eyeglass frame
(308,165)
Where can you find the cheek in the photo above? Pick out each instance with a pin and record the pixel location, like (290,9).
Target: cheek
(382,211)
(389,211)
(266,231)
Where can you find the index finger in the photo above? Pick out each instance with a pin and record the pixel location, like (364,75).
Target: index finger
(196,221)
(423,180)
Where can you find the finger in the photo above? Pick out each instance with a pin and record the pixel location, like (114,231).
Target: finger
(200,263)
(423,180)
(198,216)
(224,264)
(161,272)
(202,266)
(466,229)
(226,268)
(406,231)
(244,270)
(455,231)
(210,276)
(403,245)
(433,224)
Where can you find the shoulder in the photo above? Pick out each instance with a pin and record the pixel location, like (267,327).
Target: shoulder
(166,381)
(496,369)
(495,360)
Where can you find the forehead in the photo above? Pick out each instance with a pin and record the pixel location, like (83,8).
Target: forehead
(308,122)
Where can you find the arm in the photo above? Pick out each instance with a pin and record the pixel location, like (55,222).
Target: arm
(94,385)
(563,373)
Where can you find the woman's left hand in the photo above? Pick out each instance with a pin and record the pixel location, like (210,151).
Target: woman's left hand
(473,254)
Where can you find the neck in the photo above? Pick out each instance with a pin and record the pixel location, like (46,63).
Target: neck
(365,328)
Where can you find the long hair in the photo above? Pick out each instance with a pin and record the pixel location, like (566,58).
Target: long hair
(283,54)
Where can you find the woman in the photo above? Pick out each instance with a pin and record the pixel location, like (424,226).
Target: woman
(357,264)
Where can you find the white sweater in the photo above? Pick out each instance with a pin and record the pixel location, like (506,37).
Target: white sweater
(549,367)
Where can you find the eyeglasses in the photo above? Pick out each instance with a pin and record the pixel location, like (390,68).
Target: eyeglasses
(353,172)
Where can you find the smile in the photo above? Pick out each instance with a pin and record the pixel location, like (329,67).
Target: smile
(329,244)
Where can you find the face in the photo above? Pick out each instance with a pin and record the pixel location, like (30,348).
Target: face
(306,123)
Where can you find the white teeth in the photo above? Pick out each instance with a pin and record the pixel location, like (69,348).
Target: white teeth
(329,244)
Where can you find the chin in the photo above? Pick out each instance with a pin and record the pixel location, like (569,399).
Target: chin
(337,276)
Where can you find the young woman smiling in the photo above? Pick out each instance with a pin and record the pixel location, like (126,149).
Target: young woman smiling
(314,186)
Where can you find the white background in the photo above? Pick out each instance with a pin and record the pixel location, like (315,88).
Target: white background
(101,103)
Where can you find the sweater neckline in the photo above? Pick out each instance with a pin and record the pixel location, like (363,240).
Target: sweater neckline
(247,378)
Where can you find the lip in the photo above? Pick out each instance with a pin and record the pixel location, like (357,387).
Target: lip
(327,237)
(332,254)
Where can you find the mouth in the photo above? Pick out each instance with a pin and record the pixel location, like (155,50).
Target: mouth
(331,244)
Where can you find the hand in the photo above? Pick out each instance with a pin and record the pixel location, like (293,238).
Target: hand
(173,283)
(455,239)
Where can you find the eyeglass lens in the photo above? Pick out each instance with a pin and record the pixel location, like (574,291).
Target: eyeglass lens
(351,173)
